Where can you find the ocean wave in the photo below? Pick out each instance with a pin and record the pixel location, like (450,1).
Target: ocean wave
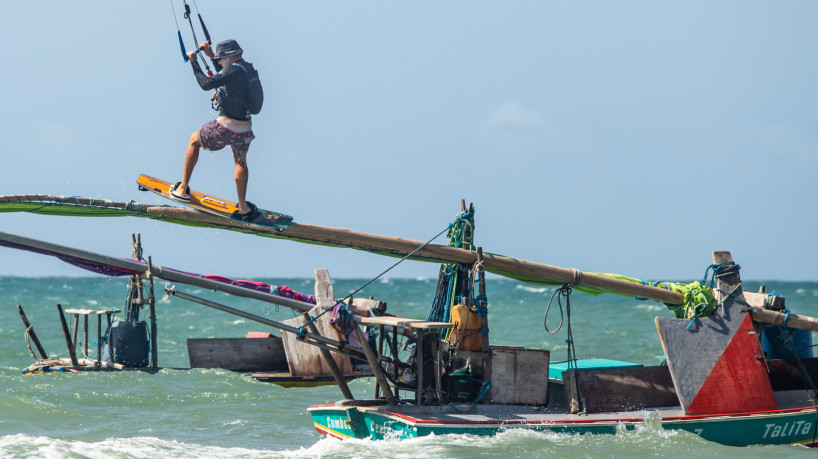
(527,288)
(24,446)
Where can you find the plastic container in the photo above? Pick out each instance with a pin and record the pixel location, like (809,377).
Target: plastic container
(772,342)
(466,329)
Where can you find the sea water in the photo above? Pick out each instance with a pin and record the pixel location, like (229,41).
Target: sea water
(217,413)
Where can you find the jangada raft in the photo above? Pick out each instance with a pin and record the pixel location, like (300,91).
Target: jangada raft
(748,382)
(131,344)
(728,391)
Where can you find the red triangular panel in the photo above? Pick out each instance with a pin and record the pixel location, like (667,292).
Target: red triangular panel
(738,382)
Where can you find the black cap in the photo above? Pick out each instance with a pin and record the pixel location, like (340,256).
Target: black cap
(228,48)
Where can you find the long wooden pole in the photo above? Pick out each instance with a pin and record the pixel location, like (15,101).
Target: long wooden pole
(790,320)
(498,264)
(342,237)
(333,366)
(315,340)
(136,267)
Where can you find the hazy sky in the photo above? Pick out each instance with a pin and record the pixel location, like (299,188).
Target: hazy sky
(633,137)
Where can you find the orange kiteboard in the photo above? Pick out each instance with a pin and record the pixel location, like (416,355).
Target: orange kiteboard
(212,205)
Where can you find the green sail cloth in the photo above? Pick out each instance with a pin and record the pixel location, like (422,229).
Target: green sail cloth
(699,300)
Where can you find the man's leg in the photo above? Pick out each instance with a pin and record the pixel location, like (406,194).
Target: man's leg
(242,175)
(191,158)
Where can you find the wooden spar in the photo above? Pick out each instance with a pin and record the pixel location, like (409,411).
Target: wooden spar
(158,271)
(316,340)
(498,264)
(377,370)
(333,366)
(341,237)
(67,334)
(776,318)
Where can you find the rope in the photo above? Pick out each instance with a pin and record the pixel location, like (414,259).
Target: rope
(302,330)
(28,343)
(565,292)
(722,269)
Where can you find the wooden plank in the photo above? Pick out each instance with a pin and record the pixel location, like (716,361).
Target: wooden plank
(237,354)
(692,350)
(389,320)
(92,312)
(759,300)
(738,383)
(519,376)
(394,321)
(305,359)
(324,294)
(620,389)
(696,352)
(428,325)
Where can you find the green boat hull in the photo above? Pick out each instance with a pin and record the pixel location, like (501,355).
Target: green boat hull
(793,426)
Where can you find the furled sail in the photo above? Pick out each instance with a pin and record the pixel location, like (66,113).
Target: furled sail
(514,268)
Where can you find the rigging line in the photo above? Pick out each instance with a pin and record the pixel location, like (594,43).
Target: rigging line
(178,32)
(196,40)
(302,329)
(396,264)
(201,21)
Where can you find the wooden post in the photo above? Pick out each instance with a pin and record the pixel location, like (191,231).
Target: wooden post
(31,333)
(482,308)
(152,303)
(376,367)
(85,335)
(436,359)
(99,340)
(67,337)
(419,362)
(331,363)
(76,327)
(381,330)
(395,358)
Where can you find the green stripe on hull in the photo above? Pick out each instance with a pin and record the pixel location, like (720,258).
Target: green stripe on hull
(776,428)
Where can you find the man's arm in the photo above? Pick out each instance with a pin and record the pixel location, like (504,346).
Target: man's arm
(219,79)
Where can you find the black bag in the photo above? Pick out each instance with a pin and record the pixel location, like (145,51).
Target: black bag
(255,93)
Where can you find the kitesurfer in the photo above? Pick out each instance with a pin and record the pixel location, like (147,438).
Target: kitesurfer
(234,100)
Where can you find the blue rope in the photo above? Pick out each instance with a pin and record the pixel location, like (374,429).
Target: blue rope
(716,267)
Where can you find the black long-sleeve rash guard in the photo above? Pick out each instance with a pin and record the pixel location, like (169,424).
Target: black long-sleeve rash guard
(231,89)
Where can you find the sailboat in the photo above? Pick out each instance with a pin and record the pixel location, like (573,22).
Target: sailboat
(718,380)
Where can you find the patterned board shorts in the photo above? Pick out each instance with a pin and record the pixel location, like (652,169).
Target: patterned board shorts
(214,136)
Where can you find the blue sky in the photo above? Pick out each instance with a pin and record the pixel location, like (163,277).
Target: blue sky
(633,137)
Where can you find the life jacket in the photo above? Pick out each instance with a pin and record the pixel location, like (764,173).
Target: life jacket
(255,93)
